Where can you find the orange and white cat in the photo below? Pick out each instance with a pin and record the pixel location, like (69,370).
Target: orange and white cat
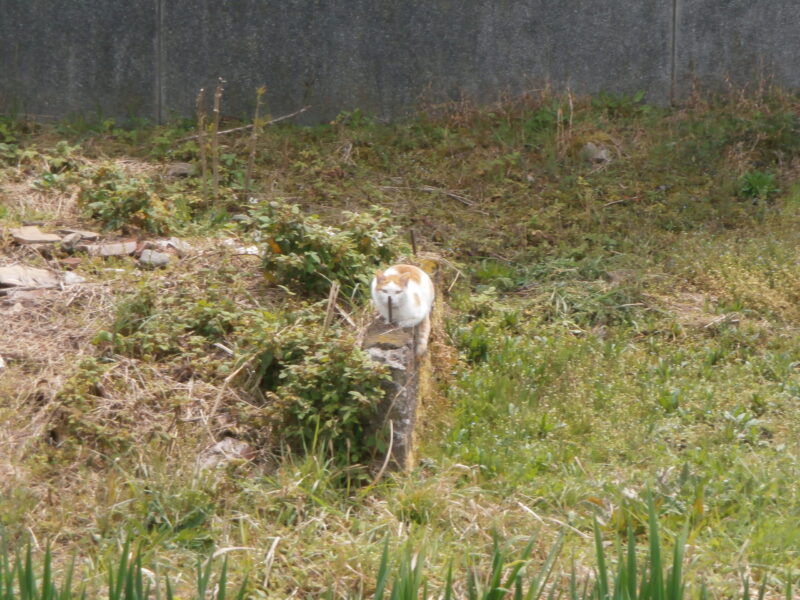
(410,292)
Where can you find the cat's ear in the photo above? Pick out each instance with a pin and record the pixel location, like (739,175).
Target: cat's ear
(378,274)
(404,279)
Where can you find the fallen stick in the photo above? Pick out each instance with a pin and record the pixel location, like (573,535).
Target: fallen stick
(243,128)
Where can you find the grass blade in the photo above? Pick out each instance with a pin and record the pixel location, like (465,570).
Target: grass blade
(383,572)
(602,571)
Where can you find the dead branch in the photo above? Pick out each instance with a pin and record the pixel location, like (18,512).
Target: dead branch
(245,127)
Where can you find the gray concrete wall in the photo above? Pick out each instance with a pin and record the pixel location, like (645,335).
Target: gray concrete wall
(149,57)
(61,58)
(738,42)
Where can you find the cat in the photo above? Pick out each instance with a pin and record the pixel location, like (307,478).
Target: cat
(411,293)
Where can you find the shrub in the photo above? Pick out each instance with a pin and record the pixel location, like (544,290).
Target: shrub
(302,252)
(314,386)
(119,201)
(325,393)
(758,186)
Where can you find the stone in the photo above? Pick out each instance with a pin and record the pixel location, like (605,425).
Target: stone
(180,247)
(179,169)
(109,249)
(226,451)
(153,259)
(595,154)
(31,235)
(71,278)
(90,236)
(70,262)
(27,277)
(71,240)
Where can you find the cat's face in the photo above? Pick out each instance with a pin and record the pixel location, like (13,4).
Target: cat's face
(391,286)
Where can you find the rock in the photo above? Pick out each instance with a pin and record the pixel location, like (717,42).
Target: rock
(90,236)
(180,247)
(595,154)
(31,234)
(71,278)
(71,240)
(33,278)
(153,259)
(228,450)
(109,249)
(70,262)
(179,169)
(28,277)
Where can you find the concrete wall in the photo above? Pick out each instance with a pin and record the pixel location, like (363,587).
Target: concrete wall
(149,57)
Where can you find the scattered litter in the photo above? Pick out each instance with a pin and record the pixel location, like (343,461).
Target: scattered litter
(153,259)
(31,234)
(109,249)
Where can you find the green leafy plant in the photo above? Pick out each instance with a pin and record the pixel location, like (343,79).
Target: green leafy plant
(758,185)
(302,252)
(119,201)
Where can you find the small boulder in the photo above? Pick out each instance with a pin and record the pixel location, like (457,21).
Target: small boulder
(27,277)
(595,154)
(227,451)
(71,240)
(89,236)
(179,169)
(31,235)
(153,259)
(109,249)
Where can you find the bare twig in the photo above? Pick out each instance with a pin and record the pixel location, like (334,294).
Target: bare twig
(251,159)
(386,460)
(215,406)
(215,138)
(246,127)
(268,560)
(607,204)
(346,316)
(201,135)
(332,296)
(434,190)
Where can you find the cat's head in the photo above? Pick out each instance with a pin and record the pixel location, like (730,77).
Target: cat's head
(391,286)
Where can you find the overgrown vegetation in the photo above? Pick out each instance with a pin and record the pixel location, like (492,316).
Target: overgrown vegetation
(619,320)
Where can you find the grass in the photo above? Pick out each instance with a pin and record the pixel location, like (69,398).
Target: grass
(517,577)
(612,330)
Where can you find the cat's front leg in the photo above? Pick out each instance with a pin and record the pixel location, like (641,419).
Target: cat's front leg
(421,333)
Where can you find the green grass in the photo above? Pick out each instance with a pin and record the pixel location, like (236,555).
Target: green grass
(505,576)
(610,331)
